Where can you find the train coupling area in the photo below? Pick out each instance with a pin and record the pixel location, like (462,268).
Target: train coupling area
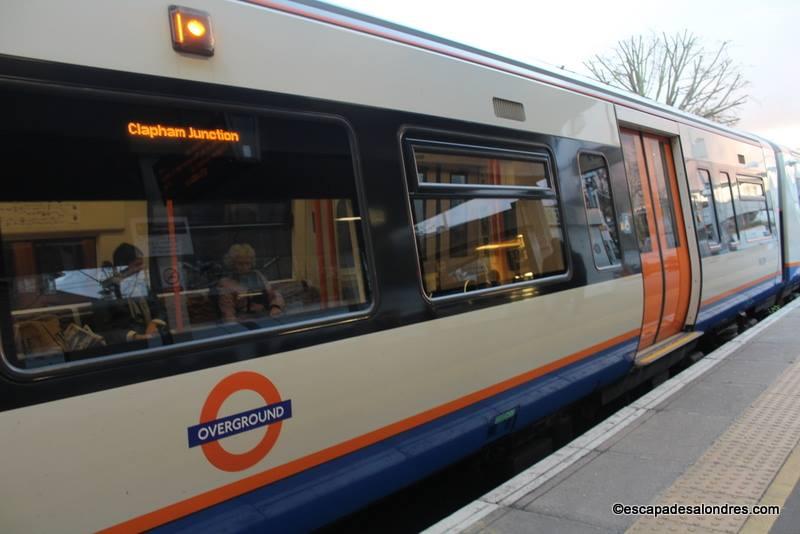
(714,449)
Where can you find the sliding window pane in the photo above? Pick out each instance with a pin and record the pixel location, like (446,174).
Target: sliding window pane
(477,170)
(507,241)
(599,205)
(753,216)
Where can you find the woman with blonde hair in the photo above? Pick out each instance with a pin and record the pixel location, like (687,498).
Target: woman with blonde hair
(245,291)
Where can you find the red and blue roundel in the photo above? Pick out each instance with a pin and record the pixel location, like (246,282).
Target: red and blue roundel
(213,428)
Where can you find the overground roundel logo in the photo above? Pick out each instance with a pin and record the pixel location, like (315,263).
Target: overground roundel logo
(213,428)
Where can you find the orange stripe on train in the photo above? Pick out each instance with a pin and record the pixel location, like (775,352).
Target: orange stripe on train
(739,288)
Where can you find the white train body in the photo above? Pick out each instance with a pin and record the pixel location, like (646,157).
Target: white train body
(405,338)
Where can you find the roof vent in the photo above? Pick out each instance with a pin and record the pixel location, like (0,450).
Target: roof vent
(507,109)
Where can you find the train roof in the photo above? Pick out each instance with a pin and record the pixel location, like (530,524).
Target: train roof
(568,79)
(327,52)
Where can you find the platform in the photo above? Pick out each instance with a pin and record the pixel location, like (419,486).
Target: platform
(724,431)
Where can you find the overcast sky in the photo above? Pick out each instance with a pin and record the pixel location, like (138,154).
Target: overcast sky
(764,36)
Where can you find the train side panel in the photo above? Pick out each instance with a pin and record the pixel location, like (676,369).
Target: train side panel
(345,395)
(741,263)
(404,391)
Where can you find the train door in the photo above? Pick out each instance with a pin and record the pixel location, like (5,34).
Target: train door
(662,237)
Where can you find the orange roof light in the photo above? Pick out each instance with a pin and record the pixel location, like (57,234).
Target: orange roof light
(191,31)
(196,28)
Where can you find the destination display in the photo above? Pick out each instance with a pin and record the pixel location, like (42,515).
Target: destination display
(160,131)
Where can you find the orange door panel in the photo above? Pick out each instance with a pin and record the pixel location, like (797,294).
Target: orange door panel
(665,257)
(641,197)
(672,234)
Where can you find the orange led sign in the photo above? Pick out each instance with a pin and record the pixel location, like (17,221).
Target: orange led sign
(159,131)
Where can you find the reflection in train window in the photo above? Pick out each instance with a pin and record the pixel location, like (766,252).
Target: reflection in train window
(505,170)
(753,216)
(458,234)
(472,240)
(705,218)
(599,205)
(638,204)
(723,200)
(149,225)
(660,178)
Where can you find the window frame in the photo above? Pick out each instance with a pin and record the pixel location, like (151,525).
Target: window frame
(755,180)
(718,241)
(438,190)
(733,203)
(126,96)
(410,137)
(614,266)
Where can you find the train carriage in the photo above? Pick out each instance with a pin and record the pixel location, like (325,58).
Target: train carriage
(266,262)
(783,167)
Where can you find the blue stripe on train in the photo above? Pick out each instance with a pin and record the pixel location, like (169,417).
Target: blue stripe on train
(320,495)
(728,307)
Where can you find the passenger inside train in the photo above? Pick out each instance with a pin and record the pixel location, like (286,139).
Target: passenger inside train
(244,291)
(132,312)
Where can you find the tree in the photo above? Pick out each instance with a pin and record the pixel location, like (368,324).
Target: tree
(675,70)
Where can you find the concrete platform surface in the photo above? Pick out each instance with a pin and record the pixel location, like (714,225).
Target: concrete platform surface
(723,433)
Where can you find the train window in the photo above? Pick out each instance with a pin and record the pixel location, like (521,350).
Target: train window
(599,204)
(792,167)
(638,203)
(704,214)
(753,216)
(458,234)
(723,201)
(487,237)
(660,180)
(134,226)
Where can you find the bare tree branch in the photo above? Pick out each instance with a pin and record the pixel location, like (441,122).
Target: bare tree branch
(675,70)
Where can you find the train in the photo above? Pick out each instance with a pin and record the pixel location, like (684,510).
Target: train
(268,261)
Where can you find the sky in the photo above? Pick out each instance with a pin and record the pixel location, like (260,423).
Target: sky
(764,39)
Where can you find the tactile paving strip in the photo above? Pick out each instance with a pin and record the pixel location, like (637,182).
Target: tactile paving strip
(739,467)
(734,452)
(666,526)
(744,483)
(786,387)
(692,523)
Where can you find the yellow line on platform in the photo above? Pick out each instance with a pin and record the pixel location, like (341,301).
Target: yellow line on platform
(776,494)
